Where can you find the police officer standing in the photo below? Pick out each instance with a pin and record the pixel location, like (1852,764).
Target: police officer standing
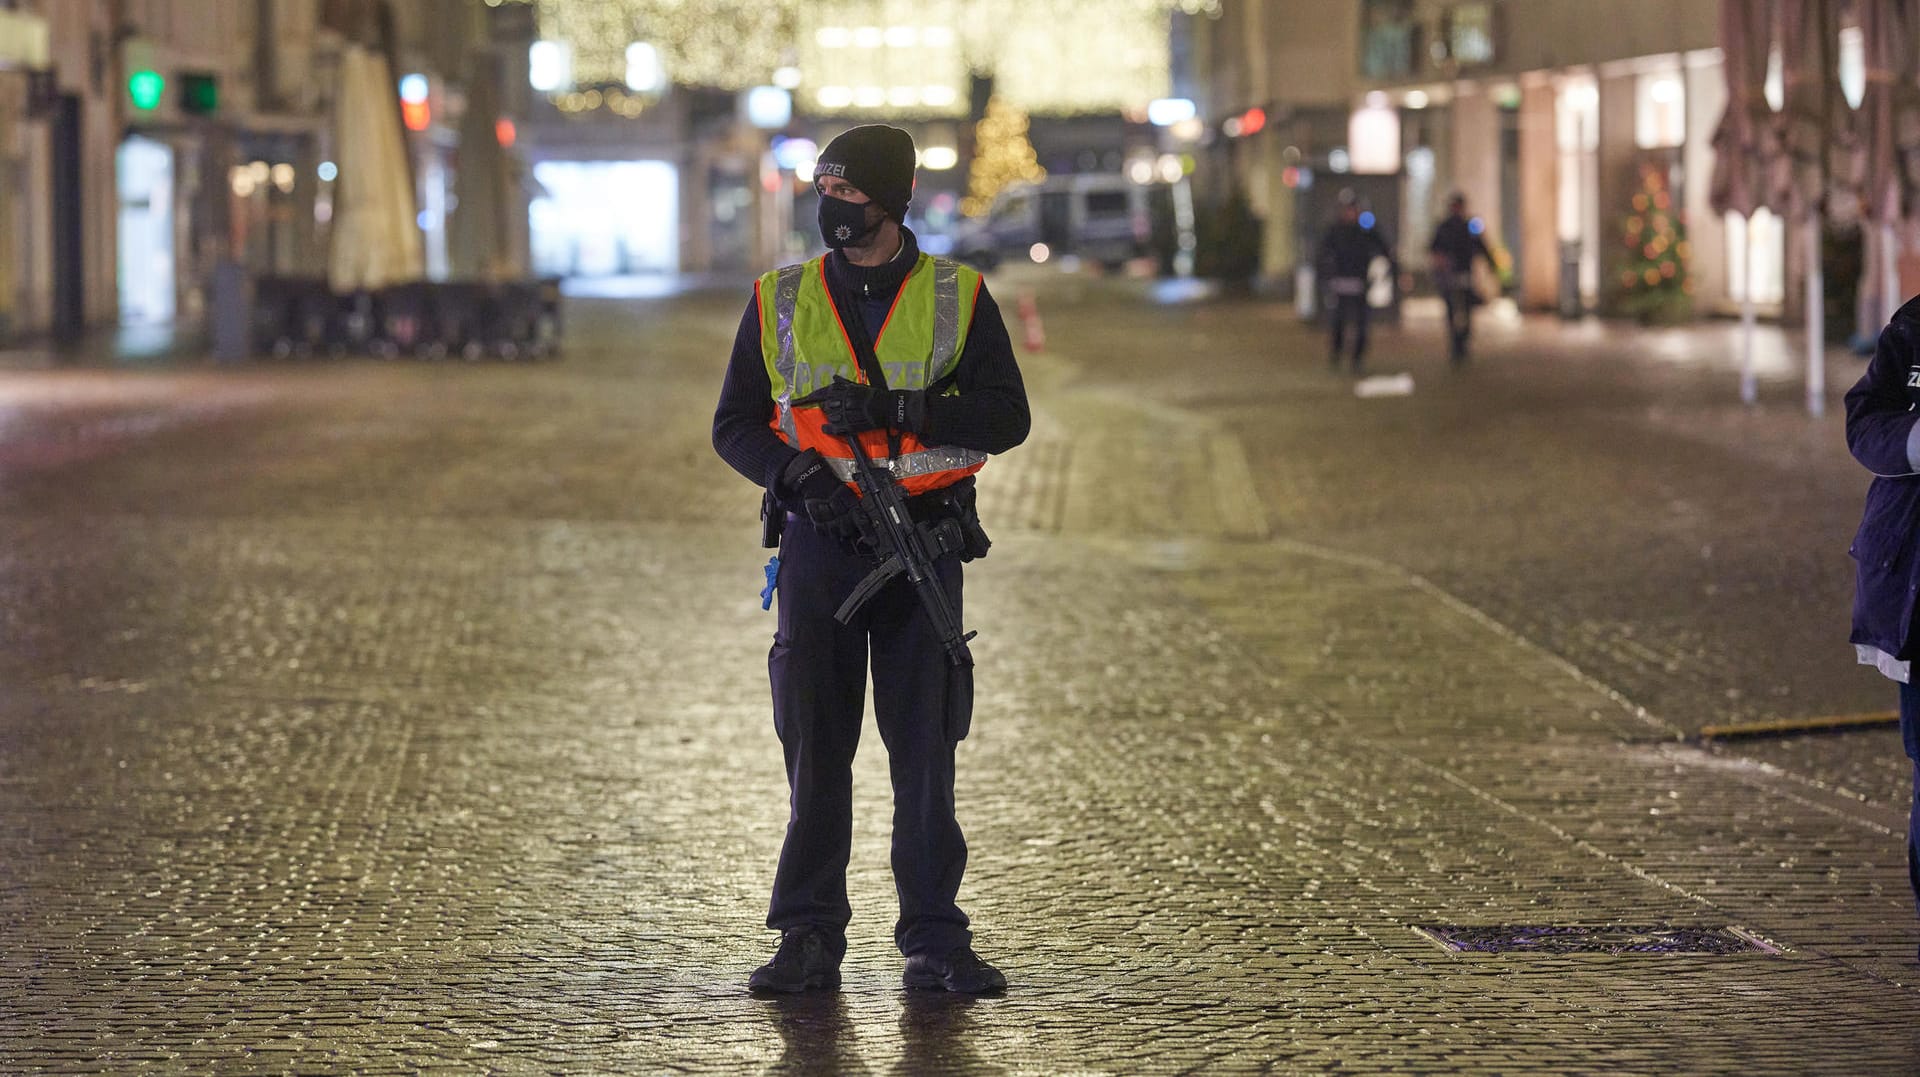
(1346,255)
(908,353)
(1456,243)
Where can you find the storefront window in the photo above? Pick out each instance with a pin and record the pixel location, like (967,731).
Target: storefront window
(1387,39)
(1469,29)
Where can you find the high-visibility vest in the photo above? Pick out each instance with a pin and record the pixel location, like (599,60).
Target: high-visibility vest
(805,345)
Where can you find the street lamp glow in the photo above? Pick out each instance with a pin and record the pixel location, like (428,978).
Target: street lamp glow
(834,96)
(769,107)
(644,74)
(328,171)
(413,89)
(940,158)
(550,66)
(1167,111)
(1416,99)
(787,78)
(938,96)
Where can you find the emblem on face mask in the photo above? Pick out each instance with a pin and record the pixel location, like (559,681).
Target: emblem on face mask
(843,233)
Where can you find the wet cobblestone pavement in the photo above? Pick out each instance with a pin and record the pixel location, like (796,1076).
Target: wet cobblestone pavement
(395,718)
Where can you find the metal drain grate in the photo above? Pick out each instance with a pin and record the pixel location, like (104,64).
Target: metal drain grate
(1606,939)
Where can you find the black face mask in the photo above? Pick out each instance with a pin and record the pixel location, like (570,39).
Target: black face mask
(843,223)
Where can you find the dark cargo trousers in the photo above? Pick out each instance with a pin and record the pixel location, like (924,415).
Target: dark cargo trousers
(818,668)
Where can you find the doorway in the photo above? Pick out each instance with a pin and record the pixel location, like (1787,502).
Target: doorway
(144,176)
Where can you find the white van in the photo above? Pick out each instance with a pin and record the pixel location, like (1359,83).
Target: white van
(1101,217)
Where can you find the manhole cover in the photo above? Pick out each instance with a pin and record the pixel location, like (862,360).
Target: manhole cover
(1607,939)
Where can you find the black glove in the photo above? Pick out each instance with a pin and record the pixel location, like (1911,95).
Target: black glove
(851,407)
(830,504)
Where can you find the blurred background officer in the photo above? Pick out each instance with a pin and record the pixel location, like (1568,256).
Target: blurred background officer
(910,352)
(1456,243)
(1347,252)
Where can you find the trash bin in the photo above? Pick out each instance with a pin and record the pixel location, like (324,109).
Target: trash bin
(231,311)
(1570,305)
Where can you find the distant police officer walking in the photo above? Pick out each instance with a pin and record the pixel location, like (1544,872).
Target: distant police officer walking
(1456,243)
(1883,431)
(908,353)
(1346,256)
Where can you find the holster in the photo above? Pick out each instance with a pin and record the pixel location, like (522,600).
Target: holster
(773,521)
(959,503)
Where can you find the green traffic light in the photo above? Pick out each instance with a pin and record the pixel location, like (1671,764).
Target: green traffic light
(145,87)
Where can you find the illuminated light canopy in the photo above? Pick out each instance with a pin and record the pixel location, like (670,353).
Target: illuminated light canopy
(939,158)
(834,96)
(1058,57)
(787,77)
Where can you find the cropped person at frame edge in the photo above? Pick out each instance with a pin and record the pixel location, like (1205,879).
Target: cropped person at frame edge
(908,353)
(1883,433)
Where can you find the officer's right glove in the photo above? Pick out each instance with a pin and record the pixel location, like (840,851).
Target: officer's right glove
(830,504)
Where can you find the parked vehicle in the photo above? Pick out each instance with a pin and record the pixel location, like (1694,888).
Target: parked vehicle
(1102,217)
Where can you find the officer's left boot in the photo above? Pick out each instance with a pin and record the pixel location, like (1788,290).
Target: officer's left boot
(960,971)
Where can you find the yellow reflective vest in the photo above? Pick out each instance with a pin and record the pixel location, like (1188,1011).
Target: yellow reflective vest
(805,345)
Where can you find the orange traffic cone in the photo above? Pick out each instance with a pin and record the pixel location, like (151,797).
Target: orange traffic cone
(1034,332)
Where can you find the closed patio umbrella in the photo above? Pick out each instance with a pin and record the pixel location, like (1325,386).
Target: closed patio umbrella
(1813,124)
(376,232)
(1889,180)
(1739,143)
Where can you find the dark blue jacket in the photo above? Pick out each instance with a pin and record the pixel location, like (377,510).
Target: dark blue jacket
(1881,418)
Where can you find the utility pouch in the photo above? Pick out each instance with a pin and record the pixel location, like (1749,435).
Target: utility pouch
(974,540)
(773,520)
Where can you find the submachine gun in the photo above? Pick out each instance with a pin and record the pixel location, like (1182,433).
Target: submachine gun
(903,546)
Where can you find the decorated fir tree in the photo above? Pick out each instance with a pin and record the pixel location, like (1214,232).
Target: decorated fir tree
(1653,275)
(1001,156)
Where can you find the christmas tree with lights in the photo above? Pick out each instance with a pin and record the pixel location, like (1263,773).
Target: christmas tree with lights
(1001,156)
(1653,276)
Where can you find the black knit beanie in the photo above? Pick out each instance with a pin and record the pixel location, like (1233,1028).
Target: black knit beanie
(878,160)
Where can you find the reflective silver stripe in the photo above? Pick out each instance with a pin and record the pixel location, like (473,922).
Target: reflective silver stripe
(786,296)
(946,317)
(908,465)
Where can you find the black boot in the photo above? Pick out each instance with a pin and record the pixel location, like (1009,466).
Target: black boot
(960,971)
(808,958)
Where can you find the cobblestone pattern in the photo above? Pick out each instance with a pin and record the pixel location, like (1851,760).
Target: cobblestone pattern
(423,728)
(1600,490)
